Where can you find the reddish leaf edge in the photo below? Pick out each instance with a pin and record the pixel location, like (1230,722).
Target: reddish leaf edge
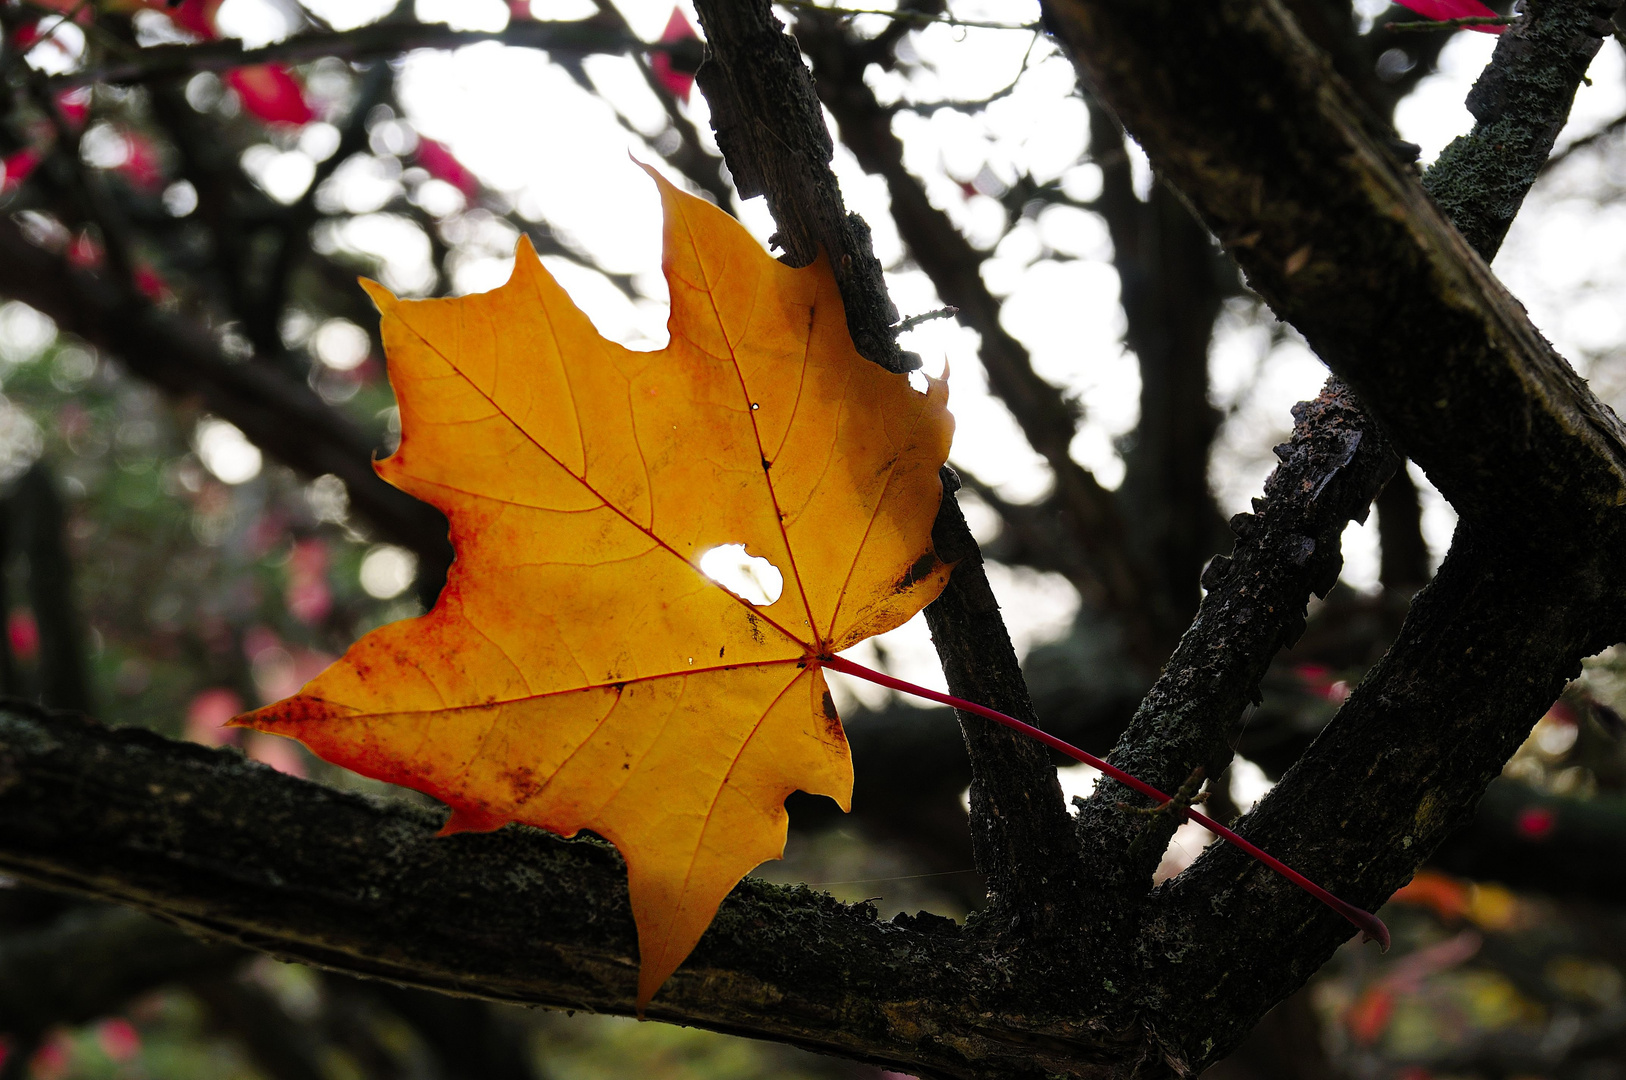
(1370,926)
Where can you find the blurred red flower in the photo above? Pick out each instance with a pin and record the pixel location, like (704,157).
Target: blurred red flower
(271,93)
(677,29)
(440,163)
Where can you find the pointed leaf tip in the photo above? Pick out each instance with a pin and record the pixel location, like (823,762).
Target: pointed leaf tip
(382,298)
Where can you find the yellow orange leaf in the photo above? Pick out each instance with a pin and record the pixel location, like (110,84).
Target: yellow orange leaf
(579,671)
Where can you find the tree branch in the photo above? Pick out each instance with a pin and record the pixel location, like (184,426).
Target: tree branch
(1112,579)
(771,128)
(1519,104)
(1343,242)
(381,40)
(1487,647)
(1331,231)
(1331,469)
(235,850)
(284,418)
(768,123)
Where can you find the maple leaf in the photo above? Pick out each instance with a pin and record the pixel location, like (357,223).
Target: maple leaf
(579,670)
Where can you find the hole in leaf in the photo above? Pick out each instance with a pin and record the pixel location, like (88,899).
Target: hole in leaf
(750,577)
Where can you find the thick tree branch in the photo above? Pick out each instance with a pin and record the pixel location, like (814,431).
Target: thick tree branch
(1021,834)
(1519,106)
(232,849)
(1332,231)
(1331,469)
(768,123)
(1487,648)
(1342,241)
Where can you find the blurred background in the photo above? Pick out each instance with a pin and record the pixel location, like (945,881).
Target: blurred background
(191,385)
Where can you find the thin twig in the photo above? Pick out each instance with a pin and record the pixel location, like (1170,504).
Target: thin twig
(369,42)
(62,19)
(905,15)
(1583,143)
(1450,24)
(1370,926)
(927,108)
(915,320)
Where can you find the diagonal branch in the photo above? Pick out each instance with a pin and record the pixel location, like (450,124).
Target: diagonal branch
(381,40)
(1343,242)
(1111,578)
(1184,725)
(771,128)
(1329,227)
(768,123)
(1487,647)
(1330,471)
(284,418)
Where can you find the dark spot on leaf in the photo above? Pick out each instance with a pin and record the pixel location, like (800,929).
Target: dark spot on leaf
(918,571)
(521,780)
(766,465)
(832,719)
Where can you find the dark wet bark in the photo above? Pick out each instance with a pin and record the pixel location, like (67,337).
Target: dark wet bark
(235,850)
(1338,236)
(1287,549)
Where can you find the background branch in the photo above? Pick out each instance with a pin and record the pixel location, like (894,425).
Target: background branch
(285,418)
(771,128)
(380,40)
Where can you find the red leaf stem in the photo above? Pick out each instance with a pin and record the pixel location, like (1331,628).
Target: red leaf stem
(1370,926)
